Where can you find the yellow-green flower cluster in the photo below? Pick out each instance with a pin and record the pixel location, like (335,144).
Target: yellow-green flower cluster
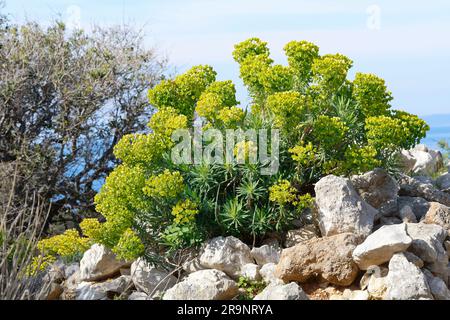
(304,155)
(384,132)
(288,108)
(68,245)
(245,150)
(329,132)
(184,212)
(360,159)
(144,149)
(371,94)
(91,228)
(231,117)
(129,246)
(330,71)
(276,78)
(282,193)
(166,121)
(220,95)
(183,92)
(301,55)
(39,264)
(165,185)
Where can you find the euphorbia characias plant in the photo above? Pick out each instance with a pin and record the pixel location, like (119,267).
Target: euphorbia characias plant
(328,124)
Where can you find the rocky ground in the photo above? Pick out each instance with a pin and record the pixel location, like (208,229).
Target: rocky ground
(370,237)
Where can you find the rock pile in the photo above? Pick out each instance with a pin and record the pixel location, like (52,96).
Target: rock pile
(375,237)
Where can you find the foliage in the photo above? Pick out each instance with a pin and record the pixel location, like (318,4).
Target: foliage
(328,124)
(66,99)
(251,288)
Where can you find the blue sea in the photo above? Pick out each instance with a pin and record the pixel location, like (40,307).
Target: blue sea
(440,129)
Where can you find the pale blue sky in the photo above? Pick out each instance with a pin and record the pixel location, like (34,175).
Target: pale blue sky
(410,49)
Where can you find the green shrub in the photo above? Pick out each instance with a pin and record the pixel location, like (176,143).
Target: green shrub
(328,125)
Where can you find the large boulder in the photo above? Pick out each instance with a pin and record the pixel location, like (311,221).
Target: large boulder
(226,254)
(149,279)
(427,240)
(204,285)
(381,245)
(266,254)
(378,189)
(99,263)
(438,214)
(413,187)
(418,205)
(341,208)
(328,257)
(291,291)
(405,281)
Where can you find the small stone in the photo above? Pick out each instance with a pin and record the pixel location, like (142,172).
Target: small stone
(291,291)
(438,214)
(99,263)
(250,271)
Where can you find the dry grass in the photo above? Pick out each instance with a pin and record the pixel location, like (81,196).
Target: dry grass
(20,229)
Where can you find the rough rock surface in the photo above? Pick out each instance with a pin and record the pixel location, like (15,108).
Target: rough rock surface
(381,245)
(438,288)
(136,295)
(291,291)
(351,295)
(149,279)
(90,291)
(328,257)
(374,280)
(438,214)
(267,273)
(405,281)
(99,263)
(251,272)
(418,205)
(226,254)
(378,189)
(427,240)
(266,254)
(421,160)
(341,208)
(414,188)
(443,182)
(297,236)
(204,285)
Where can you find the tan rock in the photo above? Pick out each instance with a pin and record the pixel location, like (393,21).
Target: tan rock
(438,214)
(328,257)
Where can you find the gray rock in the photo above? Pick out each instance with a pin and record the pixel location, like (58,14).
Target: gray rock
(99,263)
(266,254)
(291,291)
(341,208)
(407,215)
(136,295)
(204,285)
(381,245)
(421,160)
(118,285)
(414,259)
(378,189)
(427,240)
(418,205)
(90,291)
(405,281)
(149,279)
(414,188)
(267,273)
(251,271)
(193,265)
(226,254)
(438,288)
(443,182)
